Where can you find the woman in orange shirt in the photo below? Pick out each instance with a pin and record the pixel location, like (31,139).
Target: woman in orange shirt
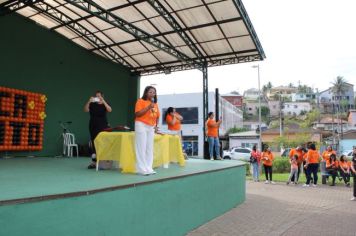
(173,120)
(312,165)
(327,153)
(344,170)
(146,120)
(267,160)
(332,166)
(213,136)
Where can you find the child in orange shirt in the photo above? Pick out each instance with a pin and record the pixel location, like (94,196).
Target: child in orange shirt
(293,169)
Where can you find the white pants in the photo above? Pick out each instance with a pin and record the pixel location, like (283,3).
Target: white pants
(144,137)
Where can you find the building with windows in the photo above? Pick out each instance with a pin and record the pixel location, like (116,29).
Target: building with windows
(190,106)
(234,99)
(329,102)
(295,108)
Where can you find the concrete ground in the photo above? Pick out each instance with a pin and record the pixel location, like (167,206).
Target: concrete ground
(287,210)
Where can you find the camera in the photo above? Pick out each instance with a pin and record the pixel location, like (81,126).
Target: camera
(96,99)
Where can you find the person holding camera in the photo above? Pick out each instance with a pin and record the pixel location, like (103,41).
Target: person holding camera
(146,121)
(97,108)
(212,133)
(255,159)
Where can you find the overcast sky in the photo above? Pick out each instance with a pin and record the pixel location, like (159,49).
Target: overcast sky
(306,41)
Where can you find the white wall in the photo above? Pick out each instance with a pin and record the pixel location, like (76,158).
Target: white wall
(232,116)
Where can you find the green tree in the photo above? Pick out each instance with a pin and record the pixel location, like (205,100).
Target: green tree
(312,116)
(264,111)
(236,130)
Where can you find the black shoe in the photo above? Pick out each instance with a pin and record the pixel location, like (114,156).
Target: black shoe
(92,166)
(332,184)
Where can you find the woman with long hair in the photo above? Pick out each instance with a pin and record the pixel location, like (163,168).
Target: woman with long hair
(267,159)
(344,170)
(173,120)
(97,108)
(146,121)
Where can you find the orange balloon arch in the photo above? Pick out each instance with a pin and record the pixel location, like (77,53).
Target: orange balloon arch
(22,115)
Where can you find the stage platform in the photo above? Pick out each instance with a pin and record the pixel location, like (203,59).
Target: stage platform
(60,196)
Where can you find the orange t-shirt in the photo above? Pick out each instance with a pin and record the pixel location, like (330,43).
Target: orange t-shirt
(151,116)
(298,152)
(326,155)
(344,164)
(176,125)
(336,164)
(211,130)
(269,160)
(312,156)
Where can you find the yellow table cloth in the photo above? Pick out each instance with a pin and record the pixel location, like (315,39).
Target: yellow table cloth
(120,147)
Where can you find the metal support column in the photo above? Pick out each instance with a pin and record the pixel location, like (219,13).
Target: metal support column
(205,101)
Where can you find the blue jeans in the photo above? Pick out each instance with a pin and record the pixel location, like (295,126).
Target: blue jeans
(255,171)
(214,143)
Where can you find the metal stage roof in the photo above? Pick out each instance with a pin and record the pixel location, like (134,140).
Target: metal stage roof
(151,36)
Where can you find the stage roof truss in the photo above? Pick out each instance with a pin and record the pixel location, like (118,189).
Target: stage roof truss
(151,36)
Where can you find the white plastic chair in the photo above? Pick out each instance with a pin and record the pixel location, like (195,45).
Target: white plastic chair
(69,144)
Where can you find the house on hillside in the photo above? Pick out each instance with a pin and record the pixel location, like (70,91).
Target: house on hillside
(295,108)
(244,139)
(234,99)
(351,118)
(331,124)
(251,94)
(269,136)
(329,102)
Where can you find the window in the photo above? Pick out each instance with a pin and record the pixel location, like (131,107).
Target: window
(190,145)
(190,115)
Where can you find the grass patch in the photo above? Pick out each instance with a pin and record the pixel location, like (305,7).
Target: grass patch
(283,177)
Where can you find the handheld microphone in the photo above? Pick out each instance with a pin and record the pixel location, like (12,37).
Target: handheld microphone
(153,101)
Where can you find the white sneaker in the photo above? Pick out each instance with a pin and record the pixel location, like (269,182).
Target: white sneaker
(314,185)
(266,182)
(211,159)
(305,185)
(271,182)
(353,199)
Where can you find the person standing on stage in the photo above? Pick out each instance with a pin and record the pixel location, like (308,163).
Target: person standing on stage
(353,170)
(146,121)
(212,133)
(173,120)
(97,108)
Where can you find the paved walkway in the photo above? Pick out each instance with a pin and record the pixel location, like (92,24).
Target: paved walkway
(287,210)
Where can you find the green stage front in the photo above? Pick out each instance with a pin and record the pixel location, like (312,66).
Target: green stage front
(36,59)
(166,207)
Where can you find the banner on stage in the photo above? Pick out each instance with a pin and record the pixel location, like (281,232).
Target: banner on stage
(22,115)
